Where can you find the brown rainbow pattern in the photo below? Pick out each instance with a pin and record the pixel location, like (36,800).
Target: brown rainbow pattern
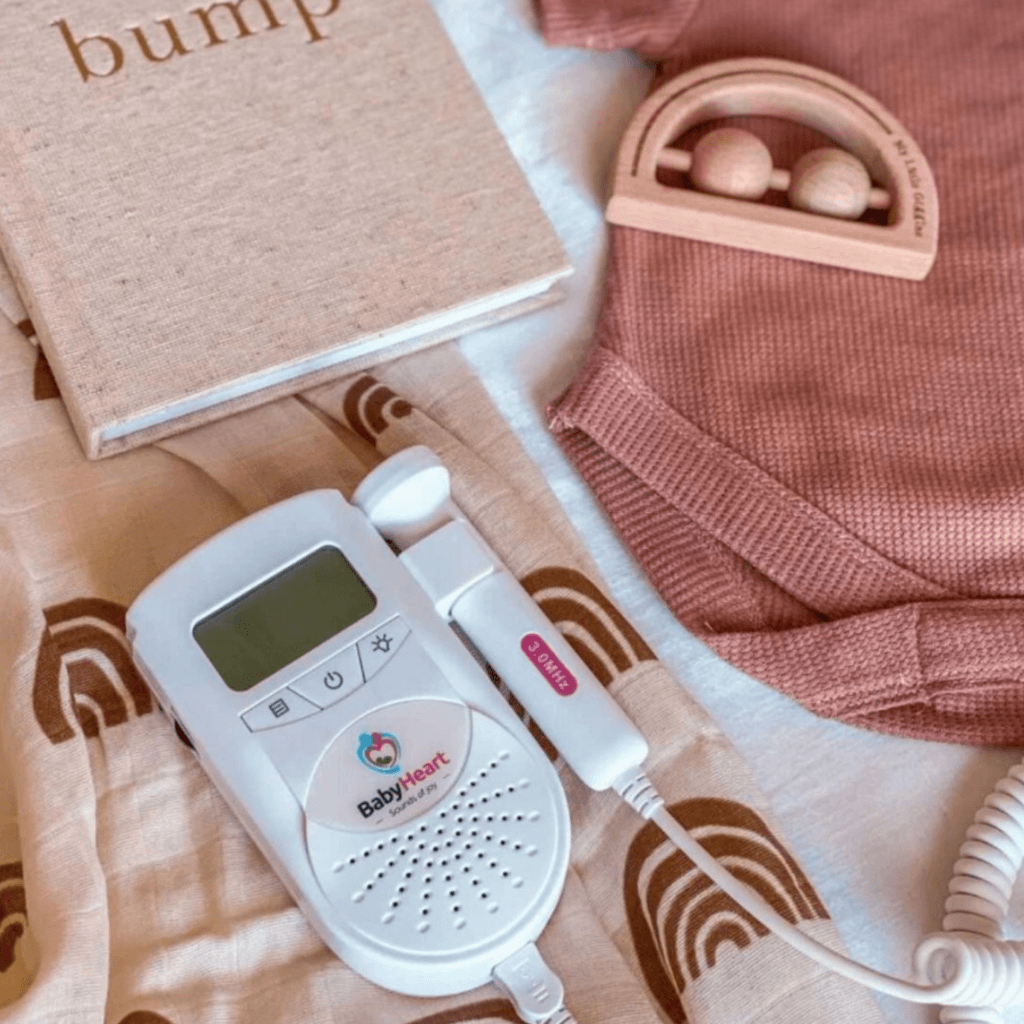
(84,672)
(596,630)
(473,1013)
(13,915)
(369,406)
(680,922)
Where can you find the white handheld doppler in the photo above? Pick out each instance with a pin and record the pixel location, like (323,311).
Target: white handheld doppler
(407,809)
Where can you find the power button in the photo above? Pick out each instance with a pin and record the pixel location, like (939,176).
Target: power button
(332,680)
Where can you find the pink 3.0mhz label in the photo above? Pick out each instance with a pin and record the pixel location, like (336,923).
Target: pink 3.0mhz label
(562,681)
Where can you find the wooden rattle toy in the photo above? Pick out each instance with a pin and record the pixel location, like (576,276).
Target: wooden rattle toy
(876,165)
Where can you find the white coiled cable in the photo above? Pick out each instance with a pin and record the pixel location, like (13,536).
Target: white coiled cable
(989,973)
(968,969)
(979,897)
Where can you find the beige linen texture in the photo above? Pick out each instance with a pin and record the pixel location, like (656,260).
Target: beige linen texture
(142,900)
(11,305)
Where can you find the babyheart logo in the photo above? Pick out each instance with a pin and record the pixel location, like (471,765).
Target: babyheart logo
(380,751)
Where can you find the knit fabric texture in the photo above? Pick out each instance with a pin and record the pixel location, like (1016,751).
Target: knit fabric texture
(821,470)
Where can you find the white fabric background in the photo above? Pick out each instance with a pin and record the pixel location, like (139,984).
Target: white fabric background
(877,821)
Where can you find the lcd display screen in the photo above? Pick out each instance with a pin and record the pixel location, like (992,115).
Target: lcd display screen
(284,618)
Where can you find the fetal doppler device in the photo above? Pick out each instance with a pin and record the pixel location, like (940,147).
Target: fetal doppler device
(313,656)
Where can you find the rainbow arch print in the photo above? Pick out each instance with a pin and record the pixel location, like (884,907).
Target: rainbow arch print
(84,672)
(473,1013)
(369,406)
(13,915)
(596,630)
(681,924)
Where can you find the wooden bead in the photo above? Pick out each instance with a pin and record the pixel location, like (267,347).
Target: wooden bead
(830,181)
(731,162)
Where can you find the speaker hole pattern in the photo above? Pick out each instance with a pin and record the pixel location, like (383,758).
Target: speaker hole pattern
(465,858)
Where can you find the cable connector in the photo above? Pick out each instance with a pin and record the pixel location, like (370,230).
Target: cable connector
(638,791)
(535,990)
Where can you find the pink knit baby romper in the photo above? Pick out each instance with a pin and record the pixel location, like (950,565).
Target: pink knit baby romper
(822,471)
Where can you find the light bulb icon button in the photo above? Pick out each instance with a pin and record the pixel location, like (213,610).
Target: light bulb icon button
(377,648)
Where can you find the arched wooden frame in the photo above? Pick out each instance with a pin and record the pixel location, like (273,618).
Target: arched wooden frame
(904,247)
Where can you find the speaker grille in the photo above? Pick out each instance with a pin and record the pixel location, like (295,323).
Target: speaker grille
(472,867)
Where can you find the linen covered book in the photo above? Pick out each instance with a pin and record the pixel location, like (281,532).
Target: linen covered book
(206,205)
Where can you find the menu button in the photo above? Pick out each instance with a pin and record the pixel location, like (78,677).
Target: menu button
(282,708)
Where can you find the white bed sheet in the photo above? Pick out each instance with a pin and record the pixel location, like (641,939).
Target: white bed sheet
(876,820)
